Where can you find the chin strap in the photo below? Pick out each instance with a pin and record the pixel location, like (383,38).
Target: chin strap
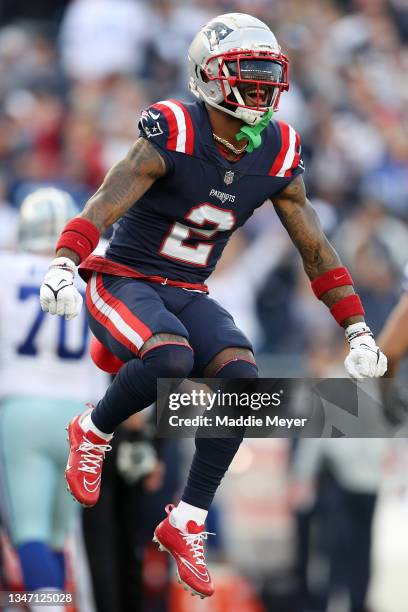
(253,133)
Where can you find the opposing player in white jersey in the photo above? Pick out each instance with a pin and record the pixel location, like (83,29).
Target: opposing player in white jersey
(46,374)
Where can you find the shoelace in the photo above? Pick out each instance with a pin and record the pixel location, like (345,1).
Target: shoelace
(195,542)
(90,460)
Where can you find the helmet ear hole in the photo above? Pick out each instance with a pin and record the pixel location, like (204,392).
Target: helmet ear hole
(204,77)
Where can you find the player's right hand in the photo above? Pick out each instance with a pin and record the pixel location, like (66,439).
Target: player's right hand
(58,295)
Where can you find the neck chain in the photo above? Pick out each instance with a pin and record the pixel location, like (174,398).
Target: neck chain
(229,146)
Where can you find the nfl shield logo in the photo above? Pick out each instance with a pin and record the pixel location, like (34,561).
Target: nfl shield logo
(229,177)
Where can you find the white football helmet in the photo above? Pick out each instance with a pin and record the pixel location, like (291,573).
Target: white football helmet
(43,215)
(236,65)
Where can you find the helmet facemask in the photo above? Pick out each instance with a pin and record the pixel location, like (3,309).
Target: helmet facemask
(251,80)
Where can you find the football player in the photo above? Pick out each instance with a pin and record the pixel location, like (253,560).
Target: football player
(38,355)
(194,175)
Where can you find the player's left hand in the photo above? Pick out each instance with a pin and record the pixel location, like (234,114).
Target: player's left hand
(365,359)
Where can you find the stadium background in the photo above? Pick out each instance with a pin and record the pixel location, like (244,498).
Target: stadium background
(74,79)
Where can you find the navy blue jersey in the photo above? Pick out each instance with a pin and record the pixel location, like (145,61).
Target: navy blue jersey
(181,225)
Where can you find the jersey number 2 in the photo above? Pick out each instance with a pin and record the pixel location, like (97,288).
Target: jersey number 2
(174,245)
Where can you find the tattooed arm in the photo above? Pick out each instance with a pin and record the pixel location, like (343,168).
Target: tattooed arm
(302,224)
(365,359)
(124,184)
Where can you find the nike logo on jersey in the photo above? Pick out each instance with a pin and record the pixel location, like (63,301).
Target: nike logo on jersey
(339,277)
(92,487)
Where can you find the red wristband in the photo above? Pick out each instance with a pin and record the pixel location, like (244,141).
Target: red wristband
(338,277)
(79,235)
(348,306)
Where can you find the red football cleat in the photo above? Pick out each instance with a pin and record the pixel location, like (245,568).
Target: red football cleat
(188,551)
(84,468)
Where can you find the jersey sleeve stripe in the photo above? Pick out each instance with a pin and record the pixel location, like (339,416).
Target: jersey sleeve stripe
(296,158)
(181,131)
(280,158)
(189,145)
(181,125)
(290,153)
(172,124)
(124,326)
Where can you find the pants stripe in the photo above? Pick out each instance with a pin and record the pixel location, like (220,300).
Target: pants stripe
(113,314)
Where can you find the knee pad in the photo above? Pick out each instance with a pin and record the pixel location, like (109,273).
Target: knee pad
(170,360)
(103,358)
(238,368)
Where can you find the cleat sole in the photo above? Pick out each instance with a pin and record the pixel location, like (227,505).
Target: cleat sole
(185,586)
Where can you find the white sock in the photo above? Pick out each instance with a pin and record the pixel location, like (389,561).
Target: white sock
(88,425)
(183,513)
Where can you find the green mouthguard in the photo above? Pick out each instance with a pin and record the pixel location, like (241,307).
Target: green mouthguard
(253,133)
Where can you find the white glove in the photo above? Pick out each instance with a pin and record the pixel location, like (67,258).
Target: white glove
(58,294)
(365,360)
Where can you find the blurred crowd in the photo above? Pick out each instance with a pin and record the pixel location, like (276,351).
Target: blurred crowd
(76,75)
